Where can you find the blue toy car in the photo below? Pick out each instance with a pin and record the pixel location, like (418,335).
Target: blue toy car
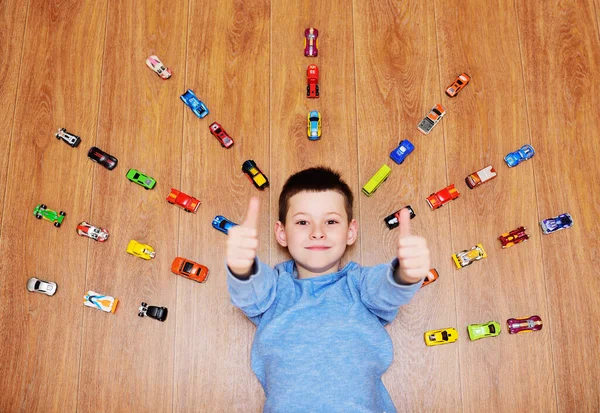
(222,224)
(399,154)
(314,125)
(523,154)
(195,104)
(551,225)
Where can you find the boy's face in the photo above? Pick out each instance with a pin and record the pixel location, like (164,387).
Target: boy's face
(316,232)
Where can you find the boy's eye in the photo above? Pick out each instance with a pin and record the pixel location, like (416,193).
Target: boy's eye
(331,221)
(301,222)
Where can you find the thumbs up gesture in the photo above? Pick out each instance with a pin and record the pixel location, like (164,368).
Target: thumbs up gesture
(242,242)
(413,253)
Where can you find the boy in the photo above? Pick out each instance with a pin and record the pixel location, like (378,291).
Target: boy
(320,345)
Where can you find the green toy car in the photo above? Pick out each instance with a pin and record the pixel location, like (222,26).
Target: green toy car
(41,211)
(489,329)
(139,178)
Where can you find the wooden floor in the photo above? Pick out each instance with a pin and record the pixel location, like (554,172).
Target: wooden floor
(535,71)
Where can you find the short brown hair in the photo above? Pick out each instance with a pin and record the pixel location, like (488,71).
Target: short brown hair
(318,179)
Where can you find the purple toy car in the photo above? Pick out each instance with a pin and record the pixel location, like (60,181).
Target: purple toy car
(311,47)
(551,225)
(524,325)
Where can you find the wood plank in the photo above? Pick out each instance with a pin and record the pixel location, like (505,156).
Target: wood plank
(57,88)
(228,69)
(484,123)
(12,26)
(127,361)
(397,84)
(561,60)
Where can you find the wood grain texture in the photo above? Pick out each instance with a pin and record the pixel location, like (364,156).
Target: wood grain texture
(485,122)
(397,84)
(12,26)
(41,373)
(561,61)
(228,55)
(128,361)
(292,151)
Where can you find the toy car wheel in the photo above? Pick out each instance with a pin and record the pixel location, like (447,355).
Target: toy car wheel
(144,305)
(57,224)
(57,136)
(43,206)
(170,202)
(140,314)
(62,213)
(38,216)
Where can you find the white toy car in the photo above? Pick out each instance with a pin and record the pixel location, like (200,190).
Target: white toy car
(155,64)
(41,286)
(69,138)
(100,302)
(86,230)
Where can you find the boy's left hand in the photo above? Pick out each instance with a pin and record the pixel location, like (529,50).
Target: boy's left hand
(413,254)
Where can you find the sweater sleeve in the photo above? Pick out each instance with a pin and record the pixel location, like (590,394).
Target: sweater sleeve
(254,295)
(380,292)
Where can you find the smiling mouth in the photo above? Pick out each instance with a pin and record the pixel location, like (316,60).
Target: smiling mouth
(318,248)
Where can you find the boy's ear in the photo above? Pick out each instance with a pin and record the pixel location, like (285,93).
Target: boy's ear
(280,234)
(352,232)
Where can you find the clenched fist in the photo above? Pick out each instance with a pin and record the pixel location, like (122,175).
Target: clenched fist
(242,242)
(413,254)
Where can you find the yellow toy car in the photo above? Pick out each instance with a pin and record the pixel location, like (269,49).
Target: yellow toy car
(140,250)
(380,176)
(467,257)
(439,337)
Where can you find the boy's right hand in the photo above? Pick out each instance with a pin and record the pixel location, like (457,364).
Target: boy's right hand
(242,243)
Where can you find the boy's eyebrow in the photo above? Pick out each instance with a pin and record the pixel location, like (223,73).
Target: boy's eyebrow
(306,213)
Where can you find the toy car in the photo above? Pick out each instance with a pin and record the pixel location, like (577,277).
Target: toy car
(312,75)
(157,313)
(404,149)
(551,225)
(524,325)
(489,329)
(460,82)
(41,211)
(86,230)
(380,176)
(41,286)
(314,125)
(155,64)
(443,336)
(431,276)
(481,176)
(69,138)
(138,249)
(393,220)
(101,302)
(139,178)
(222,136)
(442,197)
(433,117)
(101,157)
(311,42)
(467,257)
(188,203)
(189,269)
(523,154)
(195,104)
(516,236)
(222,224)
(255,175)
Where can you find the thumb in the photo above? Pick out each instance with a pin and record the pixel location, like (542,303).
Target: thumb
(404,223)
(251,220)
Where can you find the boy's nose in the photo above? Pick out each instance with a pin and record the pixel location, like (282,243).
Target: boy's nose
(317,234)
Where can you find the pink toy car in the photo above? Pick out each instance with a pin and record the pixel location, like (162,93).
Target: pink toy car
(155,64)
(524,325)
(311,47)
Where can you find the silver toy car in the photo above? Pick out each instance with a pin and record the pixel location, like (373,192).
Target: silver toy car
(41,286)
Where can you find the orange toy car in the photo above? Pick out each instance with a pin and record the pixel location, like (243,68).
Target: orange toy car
(431,277)
(460,82)
(312,75)
(189,269)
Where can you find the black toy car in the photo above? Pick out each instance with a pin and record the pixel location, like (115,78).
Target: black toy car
(69,138)
(158,313)
(101,157)
(392,221)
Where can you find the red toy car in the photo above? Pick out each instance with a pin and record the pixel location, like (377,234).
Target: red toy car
(431,277)
(481,176)
(221,135)
(312,74)
(188,203)
(516,236)
(311,42)
(442,197)
(524,325)
(460,82)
